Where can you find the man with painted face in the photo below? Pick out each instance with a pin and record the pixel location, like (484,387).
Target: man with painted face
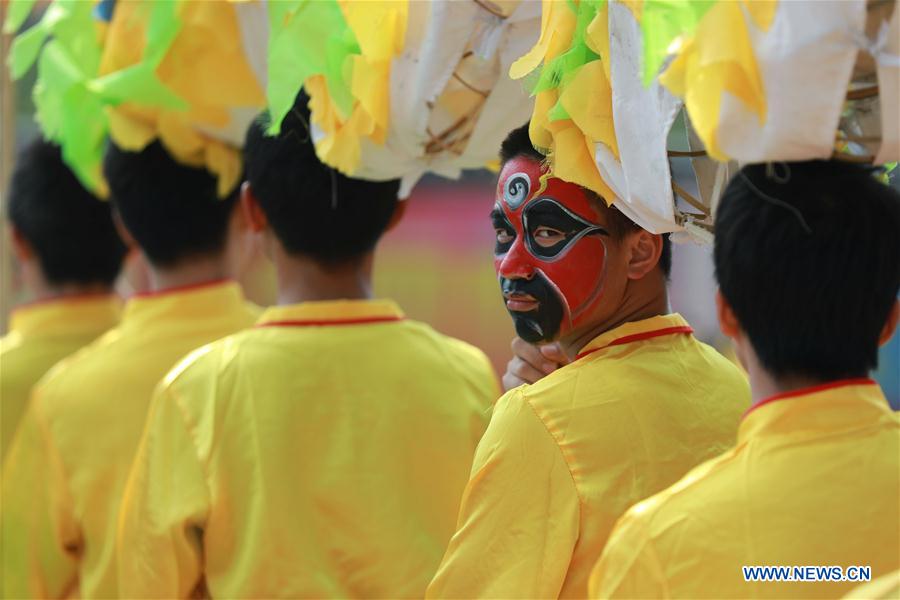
(640,404)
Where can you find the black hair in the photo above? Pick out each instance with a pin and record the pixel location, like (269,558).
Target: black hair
(172,210)
(807,255)
(518,143)
(314,210)
(70,230)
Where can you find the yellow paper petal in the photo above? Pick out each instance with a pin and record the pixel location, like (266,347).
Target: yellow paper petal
(597,38)
(529,61)
(380,29)
(636,7)
(762,12)
(718,58)
(127,132)
(573,160)
(538,129)
(206,65)
(557,26)
(379,26)
(226,163)
(181,140)
(369,87)
(588,100)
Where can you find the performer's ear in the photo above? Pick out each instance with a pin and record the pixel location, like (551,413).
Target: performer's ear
(645,249)
(122,230)
(728,322)
(399,211)
(253,212)
(21,248)
(890,326)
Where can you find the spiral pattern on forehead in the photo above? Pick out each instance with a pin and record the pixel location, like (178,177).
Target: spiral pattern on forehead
(516,191)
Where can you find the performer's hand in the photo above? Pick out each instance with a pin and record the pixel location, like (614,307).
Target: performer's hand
(531,363)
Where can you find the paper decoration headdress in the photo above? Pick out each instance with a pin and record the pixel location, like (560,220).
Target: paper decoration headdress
(399,88)
(760,80)
(141,70)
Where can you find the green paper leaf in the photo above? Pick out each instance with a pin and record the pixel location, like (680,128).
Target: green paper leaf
(25,49)
(162,30)
(664,20)
(17,13)
(307,37)
(70,99)
(337,71)
(138,84)
(84,136)
(557,113)
(564,67)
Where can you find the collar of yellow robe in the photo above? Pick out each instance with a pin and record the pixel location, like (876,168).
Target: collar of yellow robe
(834,406)
(66,315)
(184,301)
(332,312)
(635,331)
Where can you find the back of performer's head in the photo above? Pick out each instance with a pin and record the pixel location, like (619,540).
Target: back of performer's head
(518,144)
(172,210)
(808,263)
(69,230)
(313,210)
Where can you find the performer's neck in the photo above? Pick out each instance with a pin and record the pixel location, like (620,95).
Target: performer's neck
(302,279)
(40,289)
(188,271)
(642,300)
(764,384)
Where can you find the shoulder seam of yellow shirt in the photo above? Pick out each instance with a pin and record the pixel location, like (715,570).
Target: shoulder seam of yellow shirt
(562,452)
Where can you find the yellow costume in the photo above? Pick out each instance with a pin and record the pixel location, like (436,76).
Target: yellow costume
(64,474)
(321,454)
(565,457)
(40,335)
(814,480)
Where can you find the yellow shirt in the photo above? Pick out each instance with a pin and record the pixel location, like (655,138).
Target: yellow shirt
(64,475)
(40,335)
(563,458)
(321,454)
(814,480)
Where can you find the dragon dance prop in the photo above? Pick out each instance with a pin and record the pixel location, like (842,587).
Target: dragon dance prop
(751,80)
(397,88)
(142,70)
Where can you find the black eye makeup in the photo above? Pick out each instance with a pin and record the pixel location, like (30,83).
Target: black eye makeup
(505,233)
(550,228)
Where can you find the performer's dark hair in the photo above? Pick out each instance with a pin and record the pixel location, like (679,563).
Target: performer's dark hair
(313,209)
(518,143)
(172,210)
(69,229)
(808,256)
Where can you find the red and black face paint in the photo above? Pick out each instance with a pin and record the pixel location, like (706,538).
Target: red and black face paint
(550,253)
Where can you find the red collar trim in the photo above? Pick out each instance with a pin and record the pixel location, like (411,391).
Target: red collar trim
(181,288)
(329,322)
(637,337)
(811,390)
(79,297)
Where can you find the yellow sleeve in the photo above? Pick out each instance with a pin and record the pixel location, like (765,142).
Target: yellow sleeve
(629,566)
(519,518)
(164,508)
(40,536)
